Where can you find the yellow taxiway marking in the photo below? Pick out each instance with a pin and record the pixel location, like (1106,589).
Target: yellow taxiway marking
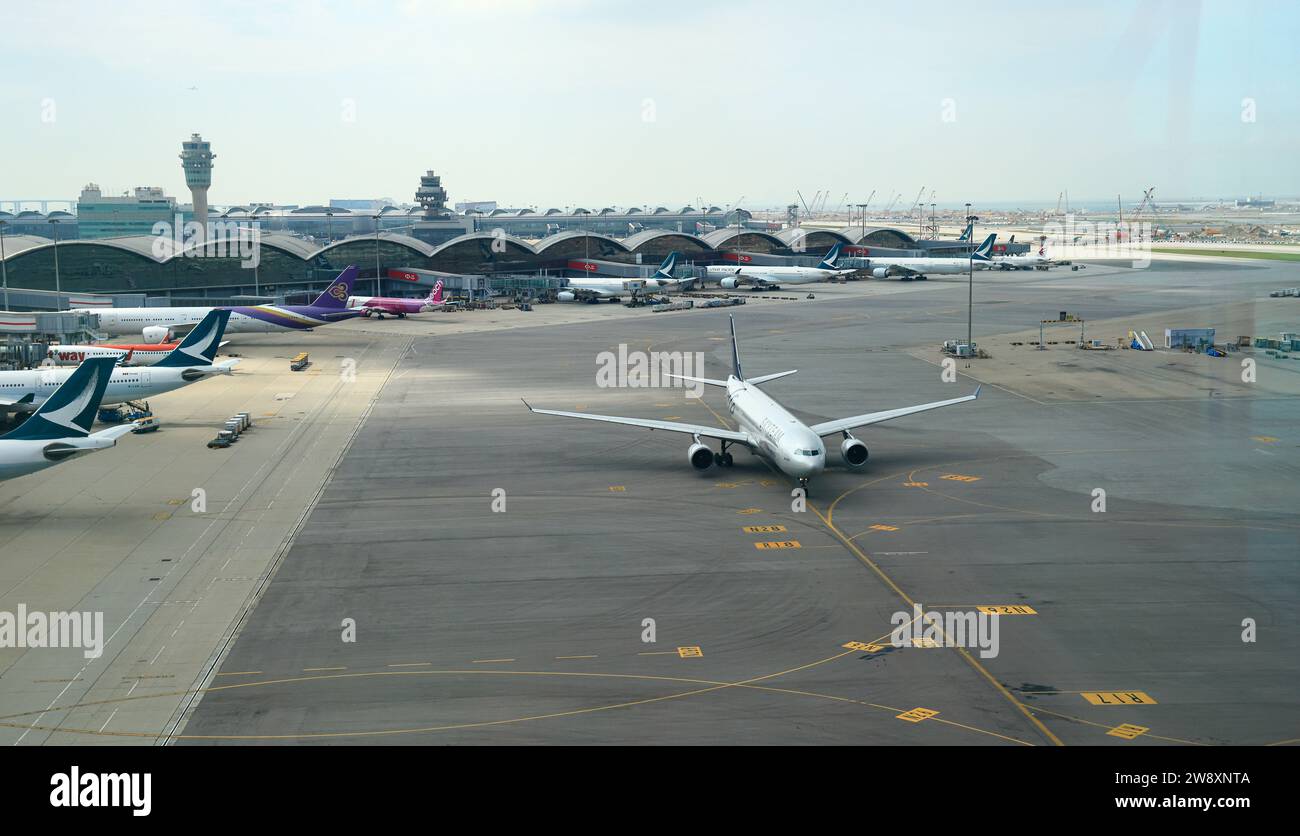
(763,529)
(175,502)
(916,715)
(690,652)
(957,477)
(882,527)
(1128,731)
(1007,609)
(750,511)
(783,544)
(162,515)
(487,661)
(1117,697)
(865,647)
(306,670)
(889,582)
(618,488)
(1264,439)
(409,664)
(592,656)
(672,417)
(916,484)
(1038,709)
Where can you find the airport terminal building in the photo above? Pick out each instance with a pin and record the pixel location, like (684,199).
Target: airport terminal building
(273,264)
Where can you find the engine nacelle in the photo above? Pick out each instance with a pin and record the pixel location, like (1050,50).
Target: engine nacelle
(854,452)
(565,296)
(155,334)
(701,457)
(880,273)
(729,284)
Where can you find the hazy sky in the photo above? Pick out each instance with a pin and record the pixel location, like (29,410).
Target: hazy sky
(580,102)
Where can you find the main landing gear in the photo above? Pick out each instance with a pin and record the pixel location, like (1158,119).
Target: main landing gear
(723,459)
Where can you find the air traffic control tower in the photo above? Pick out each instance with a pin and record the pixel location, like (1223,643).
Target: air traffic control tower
(196,161)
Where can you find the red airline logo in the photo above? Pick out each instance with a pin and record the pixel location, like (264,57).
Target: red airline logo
(583,265)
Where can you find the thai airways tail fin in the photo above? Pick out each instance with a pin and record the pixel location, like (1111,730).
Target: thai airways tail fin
(199,348)
(832,258)
(735,350)
(983,251)
(336,295)
(666,269)
(435,295)
(69,411)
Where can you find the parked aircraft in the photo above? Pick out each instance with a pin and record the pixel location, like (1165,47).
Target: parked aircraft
(772,277)
(919,268)
(60,428)
(396,305)
(190,361)
(156,325)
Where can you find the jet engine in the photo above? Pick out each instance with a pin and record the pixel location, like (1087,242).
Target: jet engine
(701,456)
(729,284)
(854,452)
(155,334)
(565,296)
(880,273)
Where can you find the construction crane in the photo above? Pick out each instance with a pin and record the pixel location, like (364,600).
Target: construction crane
(890,207)
(868,203)
(841,204)
(916,202)
(807,213)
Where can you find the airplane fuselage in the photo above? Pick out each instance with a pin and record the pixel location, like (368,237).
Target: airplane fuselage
(774,275)
(776,435)
(253,319)
(921,266)
(126,384)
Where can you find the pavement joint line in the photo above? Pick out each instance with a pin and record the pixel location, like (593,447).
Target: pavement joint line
(227,642)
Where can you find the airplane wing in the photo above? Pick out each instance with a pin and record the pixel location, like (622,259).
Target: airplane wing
(670,426)
(114,433)
(755,278)
(840,425)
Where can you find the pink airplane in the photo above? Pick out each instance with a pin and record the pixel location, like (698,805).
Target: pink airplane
(398,307)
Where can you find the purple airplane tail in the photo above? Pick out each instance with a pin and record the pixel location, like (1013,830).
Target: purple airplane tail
(435,295)
(336,295)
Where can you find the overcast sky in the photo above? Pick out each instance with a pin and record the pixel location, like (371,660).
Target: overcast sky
(577,102)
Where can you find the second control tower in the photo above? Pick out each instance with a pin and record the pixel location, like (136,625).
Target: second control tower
(196,161)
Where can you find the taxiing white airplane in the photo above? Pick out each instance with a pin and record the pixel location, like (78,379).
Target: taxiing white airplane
(60,429)
(772,277)
(918,268)
(192,360)
(765,428)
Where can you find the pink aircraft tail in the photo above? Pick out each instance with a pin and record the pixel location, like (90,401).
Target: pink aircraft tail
(435,295)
